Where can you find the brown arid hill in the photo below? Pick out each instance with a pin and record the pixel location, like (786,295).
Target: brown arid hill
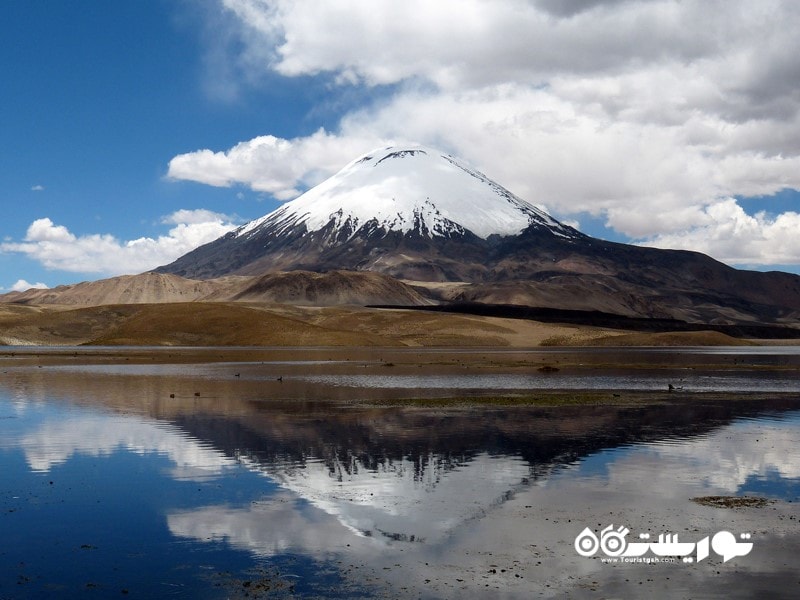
(334,288)
(664,339)
(125,289)
(293,309)
(716,294)
(259,324)
(297,287)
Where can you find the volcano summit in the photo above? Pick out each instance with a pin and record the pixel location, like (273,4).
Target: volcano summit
(410,212)
(425,217)
(410,190)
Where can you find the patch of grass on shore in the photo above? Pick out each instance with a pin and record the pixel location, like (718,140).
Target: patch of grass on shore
(566,398)
(733,501)
(577,398)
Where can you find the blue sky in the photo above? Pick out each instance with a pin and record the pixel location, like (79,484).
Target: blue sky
(133,131)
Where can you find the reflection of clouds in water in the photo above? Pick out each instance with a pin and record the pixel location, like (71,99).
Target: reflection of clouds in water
(54,442)
(723,460)
(270,527)
(472,512)
(404,499)
(26,398)
(521,548)
(399,501)
(745,449)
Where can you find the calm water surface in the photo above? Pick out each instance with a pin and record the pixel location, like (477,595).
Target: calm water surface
(192,481)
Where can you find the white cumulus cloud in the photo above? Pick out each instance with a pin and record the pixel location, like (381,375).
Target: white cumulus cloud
(55,247)
(724,228)
(267,163)
(21,285)
(647,113)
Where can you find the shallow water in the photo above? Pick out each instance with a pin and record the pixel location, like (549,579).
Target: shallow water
(120,481)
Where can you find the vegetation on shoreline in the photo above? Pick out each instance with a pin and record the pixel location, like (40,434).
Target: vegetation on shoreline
(733,501)
(564,398)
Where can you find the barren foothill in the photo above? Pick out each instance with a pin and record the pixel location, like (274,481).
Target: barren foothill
(262,324)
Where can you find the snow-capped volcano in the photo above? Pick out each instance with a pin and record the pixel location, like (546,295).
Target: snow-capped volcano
(408,189)
(419,215)
(410,212)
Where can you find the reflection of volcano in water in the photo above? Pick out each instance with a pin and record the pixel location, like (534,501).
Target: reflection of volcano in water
(416,476)
(404,500)
(386,473)
(420,498)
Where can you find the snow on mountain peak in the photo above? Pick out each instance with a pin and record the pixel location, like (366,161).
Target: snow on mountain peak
(409,188)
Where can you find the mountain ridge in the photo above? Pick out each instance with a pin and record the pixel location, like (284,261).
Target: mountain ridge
(454,225)
(411,226)
(410,212)
(297,287)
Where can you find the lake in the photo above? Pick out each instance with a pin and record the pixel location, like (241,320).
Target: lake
(325,473)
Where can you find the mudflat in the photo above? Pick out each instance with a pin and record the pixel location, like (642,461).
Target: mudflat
(438,376)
